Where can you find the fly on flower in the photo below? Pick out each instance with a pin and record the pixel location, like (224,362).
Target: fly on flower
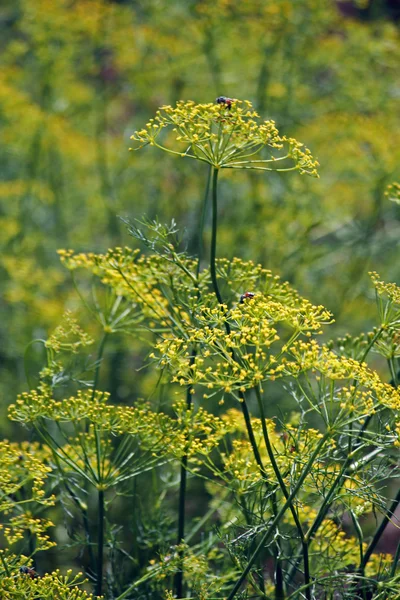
(246,295)
(224,100)
(28,571)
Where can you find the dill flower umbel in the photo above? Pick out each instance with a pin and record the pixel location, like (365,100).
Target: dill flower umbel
(229,136)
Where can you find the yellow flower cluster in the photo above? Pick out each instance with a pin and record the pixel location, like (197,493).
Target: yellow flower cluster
(17,526)
(311,356)
(333,547)
(22,464)
(397,431)
(190,433)
(18,586)
(292,447)
(68,336)
(226,135)
(23,467)
(389,290)
(196,319)
(131,276)
(392,192)
(253,331)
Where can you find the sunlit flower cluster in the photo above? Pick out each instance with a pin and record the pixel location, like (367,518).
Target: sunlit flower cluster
(331,546)
(136,278)
(310,356)
(21,465)
(390,290)
(19,586)
(253,331)
(196,318)
(68,336)
(191,433)
(16,527)
(291,446)
(226,135)
(392,192)
(23,474)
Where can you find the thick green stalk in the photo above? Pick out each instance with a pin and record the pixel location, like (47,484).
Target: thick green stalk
(202,222)
(182,497)
(183,473)
(279,582)
(214,236)
(250,433)
(395,561)
(213,254)
(243,404)
(100,542)
(181,525)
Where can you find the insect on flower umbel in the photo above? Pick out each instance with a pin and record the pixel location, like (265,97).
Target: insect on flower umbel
(224,100)
(28,571)
(246,295)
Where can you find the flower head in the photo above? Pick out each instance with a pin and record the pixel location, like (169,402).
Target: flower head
(229,136)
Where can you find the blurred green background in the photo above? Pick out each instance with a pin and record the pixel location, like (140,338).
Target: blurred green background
(78,77)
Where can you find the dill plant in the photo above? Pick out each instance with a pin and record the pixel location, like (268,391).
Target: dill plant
(281,489)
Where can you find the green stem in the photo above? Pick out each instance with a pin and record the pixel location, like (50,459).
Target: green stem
(379,532)
(83,510)
(250,433)
(202,222)
(182,497)
(372,342)
(392,372)
(360,536)
(100,543)
(395,561)
(270,531)
(98,364)
(214,235)
(181,526)
(6,569)
(342,473)
(243,403)
(244,407)
(279,583)
(271,456)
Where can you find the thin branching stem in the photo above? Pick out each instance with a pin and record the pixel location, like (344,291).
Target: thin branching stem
(272,527)
(285,492)
(379,532)
(347,465)
(99,359)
